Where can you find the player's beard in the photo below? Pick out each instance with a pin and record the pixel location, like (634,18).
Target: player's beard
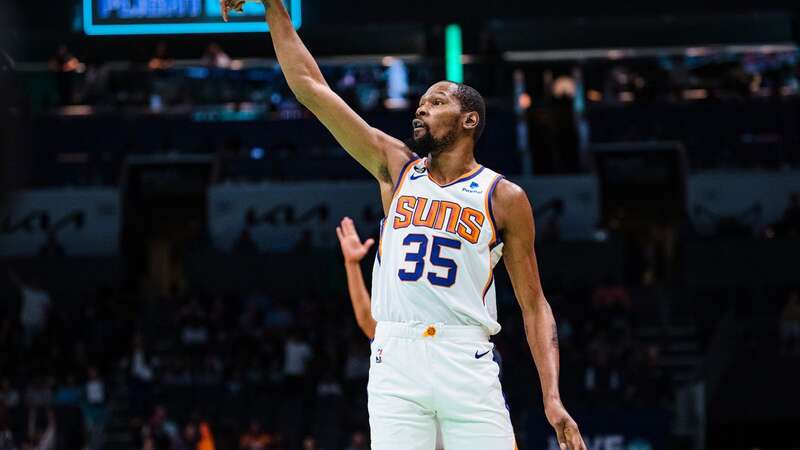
(428,144)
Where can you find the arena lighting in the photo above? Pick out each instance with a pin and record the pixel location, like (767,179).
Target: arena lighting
(453,54)
(208,21)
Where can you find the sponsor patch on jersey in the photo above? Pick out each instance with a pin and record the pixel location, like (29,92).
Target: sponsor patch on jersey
(473,188)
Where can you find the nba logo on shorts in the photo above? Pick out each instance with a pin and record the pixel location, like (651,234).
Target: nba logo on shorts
(379,356)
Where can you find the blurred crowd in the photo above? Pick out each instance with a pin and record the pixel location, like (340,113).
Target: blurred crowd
(713,76)
(243,111)
(263,369)
(215,77)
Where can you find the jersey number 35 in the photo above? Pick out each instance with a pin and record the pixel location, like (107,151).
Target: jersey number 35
(418,257)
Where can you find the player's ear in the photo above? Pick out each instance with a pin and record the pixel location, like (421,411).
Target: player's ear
(471,120)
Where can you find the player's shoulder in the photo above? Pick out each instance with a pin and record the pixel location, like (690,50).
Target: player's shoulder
(508,201)
(508,193)
(396,162)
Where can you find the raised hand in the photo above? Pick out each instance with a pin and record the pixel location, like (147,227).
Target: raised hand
(352,248)
(230,5)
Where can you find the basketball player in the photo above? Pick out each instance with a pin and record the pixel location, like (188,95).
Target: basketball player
(446,225)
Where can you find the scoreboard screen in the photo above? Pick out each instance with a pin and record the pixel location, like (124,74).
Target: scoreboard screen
(130,17)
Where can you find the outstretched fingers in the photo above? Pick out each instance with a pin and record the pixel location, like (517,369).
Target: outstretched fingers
(562,440)
(349,227)
(574,437)
(340,234)
(223,6)
(368,243)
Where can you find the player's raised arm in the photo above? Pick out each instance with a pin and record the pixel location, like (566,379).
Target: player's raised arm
(354,251)
(382,155)
(514,215)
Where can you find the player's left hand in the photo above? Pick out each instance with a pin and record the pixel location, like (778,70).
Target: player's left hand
(567,433)
(352,247)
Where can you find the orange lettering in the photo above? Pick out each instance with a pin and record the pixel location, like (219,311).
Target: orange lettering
(404,210)
(455,211)
(470,226)
(420,210)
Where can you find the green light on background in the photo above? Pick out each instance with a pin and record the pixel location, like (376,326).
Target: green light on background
(452,39)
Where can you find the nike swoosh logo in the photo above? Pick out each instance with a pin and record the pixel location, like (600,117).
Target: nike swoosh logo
(416,177)
(479,356)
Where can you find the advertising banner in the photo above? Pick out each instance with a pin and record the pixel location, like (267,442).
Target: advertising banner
(75,221)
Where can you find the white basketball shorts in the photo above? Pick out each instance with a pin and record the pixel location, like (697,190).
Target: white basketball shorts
(421,374)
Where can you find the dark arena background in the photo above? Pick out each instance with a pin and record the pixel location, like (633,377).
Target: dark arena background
(171,277)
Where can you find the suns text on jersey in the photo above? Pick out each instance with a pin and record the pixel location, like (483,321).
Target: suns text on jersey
(439,215)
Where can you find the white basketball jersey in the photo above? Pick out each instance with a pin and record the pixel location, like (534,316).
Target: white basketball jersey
(437,251)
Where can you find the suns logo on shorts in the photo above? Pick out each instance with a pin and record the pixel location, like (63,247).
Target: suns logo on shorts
(439,215)
(379,356)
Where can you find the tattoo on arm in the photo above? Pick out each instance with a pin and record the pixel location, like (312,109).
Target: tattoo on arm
(555,336)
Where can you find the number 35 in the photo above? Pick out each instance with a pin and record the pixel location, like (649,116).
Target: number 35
(436,259)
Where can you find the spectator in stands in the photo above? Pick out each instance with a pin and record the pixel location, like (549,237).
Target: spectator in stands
(148,443)
(95,388)
(141,375)
(602,382)
(94,406)
(68,393)
(206,437)
(309,443)
(160,59)
(43,439)
(6,434)
(38,399)
(611,293)
(64,64)
(297,355)
(790,325)
(611,306)
(190,437)
(648,384)
(194,330)
(215,57)
(35,307)
(63,60)
(358,441)
(160,429)
(255,438)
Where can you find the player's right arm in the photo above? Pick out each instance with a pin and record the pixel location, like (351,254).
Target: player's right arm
(354,251)
(382,155)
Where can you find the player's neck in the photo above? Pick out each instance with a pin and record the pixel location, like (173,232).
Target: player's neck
(449,165)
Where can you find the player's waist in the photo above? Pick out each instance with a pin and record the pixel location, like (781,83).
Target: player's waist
(419,330)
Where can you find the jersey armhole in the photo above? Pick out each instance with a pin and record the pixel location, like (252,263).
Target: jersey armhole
(403,173)
(496,237)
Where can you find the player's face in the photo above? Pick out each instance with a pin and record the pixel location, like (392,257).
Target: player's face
(437,119)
